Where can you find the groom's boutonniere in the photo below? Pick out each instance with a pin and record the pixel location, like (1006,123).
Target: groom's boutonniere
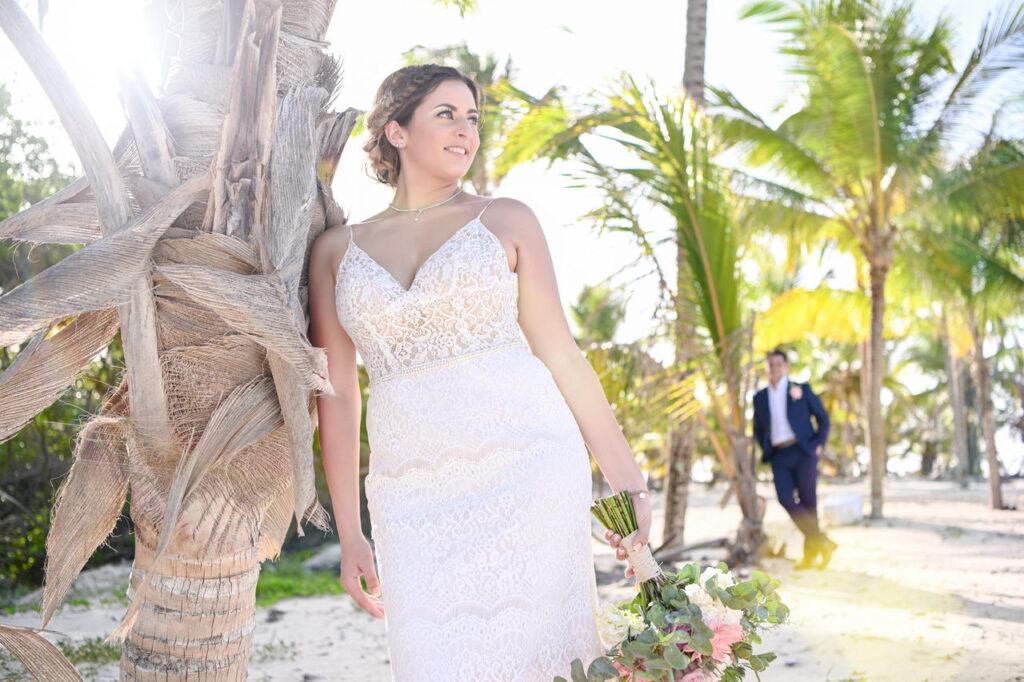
(795,392)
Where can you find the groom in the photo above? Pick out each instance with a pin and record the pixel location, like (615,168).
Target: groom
(789,442)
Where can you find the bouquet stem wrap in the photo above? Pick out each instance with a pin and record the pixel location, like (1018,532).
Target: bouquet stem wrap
(645,567)
(616,513)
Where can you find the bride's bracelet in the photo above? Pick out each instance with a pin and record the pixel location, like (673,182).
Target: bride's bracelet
(639,494)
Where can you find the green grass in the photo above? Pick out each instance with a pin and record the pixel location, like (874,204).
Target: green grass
(286,578)
(87,653)
(90,650)
(278,580)
(275,651)
(8,595)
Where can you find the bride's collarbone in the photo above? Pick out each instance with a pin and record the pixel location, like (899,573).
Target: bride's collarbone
(390,241)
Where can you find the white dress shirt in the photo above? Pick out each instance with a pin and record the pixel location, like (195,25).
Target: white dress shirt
(781,430)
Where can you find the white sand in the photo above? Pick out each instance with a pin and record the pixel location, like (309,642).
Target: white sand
(934,592)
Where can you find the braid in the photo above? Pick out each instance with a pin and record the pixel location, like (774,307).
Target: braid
(396,99)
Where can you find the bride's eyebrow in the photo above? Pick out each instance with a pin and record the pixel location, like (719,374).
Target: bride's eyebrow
(445,104)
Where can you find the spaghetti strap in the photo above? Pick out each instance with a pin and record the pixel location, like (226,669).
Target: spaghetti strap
(351,236)
(480,215)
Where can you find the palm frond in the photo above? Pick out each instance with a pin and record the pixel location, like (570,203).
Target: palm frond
(833,314)
(40,657)
(998,52)
(763,145)
(101,275)
(48,365)
(257,306)
(88,503)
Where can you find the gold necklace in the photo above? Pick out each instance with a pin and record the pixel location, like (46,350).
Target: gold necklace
(419,211)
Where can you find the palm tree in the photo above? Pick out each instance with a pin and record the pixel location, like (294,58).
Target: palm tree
(631,377)
(982,286)
(683,438)
(196,230)
(674,146)
(851,161)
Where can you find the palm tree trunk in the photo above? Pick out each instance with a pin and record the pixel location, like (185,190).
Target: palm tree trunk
(677,486)
(696,32)
(876,425)
(849,453)
(865,391)
(956,401)
(750,537)
(682,438)
(201,617)
(983,381)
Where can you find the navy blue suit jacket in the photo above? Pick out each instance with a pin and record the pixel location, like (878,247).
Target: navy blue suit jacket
(799,414)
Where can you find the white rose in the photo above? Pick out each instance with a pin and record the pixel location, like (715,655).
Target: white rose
(711,608)
(614,624)
(723,579)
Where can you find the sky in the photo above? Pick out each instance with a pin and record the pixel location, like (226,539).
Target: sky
(580,44)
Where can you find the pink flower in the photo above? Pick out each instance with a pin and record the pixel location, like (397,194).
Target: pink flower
(698,675)
(625,673)
(725,635)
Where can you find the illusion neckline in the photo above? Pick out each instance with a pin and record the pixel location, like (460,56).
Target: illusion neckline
(423,266)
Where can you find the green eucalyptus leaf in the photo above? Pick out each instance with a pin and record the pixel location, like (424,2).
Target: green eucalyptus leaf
(676,658)
(602,669)
(732,674)
(742,649)
(744,589)
(678,637)
(758,663)
(701,642)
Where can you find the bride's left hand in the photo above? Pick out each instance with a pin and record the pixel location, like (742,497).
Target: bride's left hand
(642,507)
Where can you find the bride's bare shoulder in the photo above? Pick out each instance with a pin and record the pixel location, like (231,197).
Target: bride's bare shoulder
(329,248)
(512,218)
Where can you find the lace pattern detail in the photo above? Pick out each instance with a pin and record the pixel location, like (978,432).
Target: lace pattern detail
(463,299)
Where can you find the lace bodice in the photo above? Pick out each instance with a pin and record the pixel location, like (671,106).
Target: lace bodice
(463,299)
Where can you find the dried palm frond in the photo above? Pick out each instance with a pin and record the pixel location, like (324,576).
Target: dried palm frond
(41,659)
(89,501)
(101,275)
(48,365)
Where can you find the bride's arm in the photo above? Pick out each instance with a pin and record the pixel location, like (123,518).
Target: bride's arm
(547,331)
(338,415)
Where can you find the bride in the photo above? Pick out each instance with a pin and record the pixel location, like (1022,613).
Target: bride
(480,413)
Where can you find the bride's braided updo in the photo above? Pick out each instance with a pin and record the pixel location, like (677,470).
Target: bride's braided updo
(397,99)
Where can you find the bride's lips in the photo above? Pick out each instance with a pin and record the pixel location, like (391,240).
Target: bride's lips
(463,155)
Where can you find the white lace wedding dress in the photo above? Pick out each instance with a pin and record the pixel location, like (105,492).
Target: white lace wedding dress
(479,481)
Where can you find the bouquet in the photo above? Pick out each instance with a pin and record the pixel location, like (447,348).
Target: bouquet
(692,626)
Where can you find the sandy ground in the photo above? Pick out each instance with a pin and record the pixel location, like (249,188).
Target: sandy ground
(934,592)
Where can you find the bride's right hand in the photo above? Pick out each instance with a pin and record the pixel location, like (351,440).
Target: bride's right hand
(356,561)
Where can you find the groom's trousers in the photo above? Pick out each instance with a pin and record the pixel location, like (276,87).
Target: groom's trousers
(796,480)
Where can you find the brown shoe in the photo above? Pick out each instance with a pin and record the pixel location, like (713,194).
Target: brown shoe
(804,564)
